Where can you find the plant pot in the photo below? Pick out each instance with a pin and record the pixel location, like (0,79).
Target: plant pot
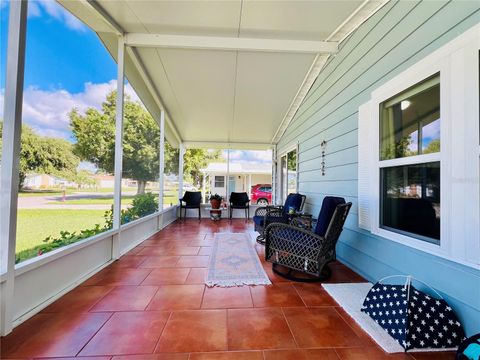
(215,204)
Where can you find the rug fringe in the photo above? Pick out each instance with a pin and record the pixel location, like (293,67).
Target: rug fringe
(232,283)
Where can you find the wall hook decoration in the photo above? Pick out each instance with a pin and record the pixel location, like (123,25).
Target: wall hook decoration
(323,144)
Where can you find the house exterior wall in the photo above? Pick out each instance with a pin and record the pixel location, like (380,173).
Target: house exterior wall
(395,38)
(241,182)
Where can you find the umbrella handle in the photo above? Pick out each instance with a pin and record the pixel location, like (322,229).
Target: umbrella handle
(409,280)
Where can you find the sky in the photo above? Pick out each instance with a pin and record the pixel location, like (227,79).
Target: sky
(66,66)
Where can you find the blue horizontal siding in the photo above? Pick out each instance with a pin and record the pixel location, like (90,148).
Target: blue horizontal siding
(396,37)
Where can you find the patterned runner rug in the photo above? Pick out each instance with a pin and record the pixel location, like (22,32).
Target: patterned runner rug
(234,262)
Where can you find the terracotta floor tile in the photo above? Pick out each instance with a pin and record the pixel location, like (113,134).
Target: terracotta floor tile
(152,357)
(128,333)
(176,250)
(302,354)
(217,319)
(367,340)
(281,294)
(118,276)
(126,298)
(205,250)
(195,331)
(448,355)
(342,274)
(193,261)
(166,277)
(230,355)
(80,358)
(165,243)
(11,342)
(201,242)
(177,297)
(369,353)
(314,295)
(168,261)
(227,298)
(135,250)
(274,278)
(128,261)
(247,329)
(320,327)
(80,299)
(196,276)
(60,335)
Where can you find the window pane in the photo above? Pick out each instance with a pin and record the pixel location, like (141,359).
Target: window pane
(219,182)
(283,180)
(141,161)
(170,176)
(292,172)
(410,202)
(410,121)
(68,132)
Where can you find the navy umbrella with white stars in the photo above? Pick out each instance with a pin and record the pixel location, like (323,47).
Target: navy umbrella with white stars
(413,318)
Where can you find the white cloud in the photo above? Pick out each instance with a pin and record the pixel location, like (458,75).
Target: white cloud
(47,111)
(250,156)
(37,7)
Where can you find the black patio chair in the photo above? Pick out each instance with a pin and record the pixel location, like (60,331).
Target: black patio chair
(191,200)
(270,214)
(240,200)
(304,250)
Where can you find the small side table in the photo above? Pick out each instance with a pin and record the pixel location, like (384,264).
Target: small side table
(304,221)
(216,214)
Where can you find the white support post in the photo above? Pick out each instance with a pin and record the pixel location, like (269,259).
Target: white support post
(274,174)
(249,185)
(12,128)
(162,160)
(117,195)
(204,184)
(227,180)
(180,170)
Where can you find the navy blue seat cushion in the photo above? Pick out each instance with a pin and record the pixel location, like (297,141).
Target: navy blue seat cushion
(329,205)
(260,220)
(292,201)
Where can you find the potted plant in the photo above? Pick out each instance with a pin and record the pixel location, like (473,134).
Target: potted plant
(215,201)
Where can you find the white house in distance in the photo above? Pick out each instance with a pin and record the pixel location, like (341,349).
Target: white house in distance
(241,177)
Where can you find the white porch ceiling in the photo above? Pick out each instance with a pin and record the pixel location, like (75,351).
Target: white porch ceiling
(244,92)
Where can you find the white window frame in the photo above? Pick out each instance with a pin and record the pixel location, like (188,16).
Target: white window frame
(279,169)
(458,65)
(215,181)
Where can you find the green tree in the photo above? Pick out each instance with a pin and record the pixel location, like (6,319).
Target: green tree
(95,135)
(45,155)
(194,161)
(433,147)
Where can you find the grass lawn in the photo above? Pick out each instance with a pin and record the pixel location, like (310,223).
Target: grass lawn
(34,225)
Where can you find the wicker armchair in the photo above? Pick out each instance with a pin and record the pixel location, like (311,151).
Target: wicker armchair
(307,251)
(272,214)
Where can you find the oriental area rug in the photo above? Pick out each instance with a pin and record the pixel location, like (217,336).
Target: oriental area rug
(234,262)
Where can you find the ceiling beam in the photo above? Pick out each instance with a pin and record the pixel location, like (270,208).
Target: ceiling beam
(230,43)
(226,145)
